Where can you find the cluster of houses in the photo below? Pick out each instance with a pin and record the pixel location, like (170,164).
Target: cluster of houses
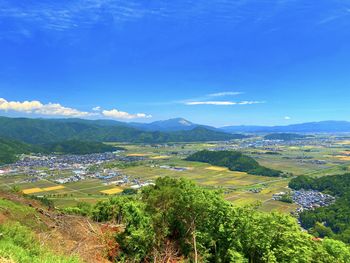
(311,199)
(61,162)
(307,199)
(83,173)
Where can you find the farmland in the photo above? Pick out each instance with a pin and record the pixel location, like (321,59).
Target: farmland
(141,164)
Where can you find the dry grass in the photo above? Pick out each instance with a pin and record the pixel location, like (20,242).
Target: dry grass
(342,157)
(138,154)
(344,142)
(160,157)
(112,191)
(53,188)
(216,168)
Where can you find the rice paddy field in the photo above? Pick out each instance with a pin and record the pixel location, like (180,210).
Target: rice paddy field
(161,160)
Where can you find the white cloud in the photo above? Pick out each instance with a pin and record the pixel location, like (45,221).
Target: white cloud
(287,118)
(250,102)
(116,114)
(56,109)
(225,93)
(222,103)
(37,107)
(210,103)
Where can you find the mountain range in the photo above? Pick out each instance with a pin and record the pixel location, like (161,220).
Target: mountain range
(309,127)
(180,124)
(40,131)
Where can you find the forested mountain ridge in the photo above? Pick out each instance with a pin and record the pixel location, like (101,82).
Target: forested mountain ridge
(50,130)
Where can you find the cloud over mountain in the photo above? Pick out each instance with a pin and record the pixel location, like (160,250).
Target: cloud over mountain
(116,114)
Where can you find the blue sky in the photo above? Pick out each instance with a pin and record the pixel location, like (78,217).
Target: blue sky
(217,62)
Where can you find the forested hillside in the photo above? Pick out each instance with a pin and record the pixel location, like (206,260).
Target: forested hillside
(178,221)
(234,161)
(79,147)
(9,149)
(332,221)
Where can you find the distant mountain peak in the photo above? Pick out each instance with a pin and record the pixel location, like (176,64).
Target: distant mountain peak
(185,122)
(174,124)
(181,121)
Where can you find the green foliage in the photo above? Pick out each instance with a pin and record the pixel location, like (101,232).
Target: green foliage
(301,182)
(233,160)
(201,225)
(79,147)
(320,230)
(44,200)
(19,244)
(337,249)
(287,198)
(335,216)
(82,208)
(129,191)
(15,189)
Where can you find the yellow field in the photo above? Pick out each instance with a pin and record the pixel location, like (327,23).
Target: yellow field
(344,142)
(112,191)
(45,189)
(216,168)
(293,148)
(137,154)
(32,190)
(160,157)
(52,188)
(211,182)
(342,157)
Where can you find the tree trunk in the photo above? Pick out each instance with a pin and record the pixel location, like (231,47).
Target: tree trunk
(194,243)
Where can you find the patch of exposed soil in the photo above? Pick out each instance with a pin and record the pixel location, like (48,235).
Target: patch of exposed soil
(66,234)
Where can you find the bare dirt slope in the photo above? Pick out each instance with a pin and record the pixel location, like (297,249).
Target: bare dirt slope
(64,234)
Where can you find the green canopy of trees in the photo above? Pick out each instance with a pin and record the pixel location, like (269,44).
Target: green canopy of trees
(233,160)
(79,147)
(178,220)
